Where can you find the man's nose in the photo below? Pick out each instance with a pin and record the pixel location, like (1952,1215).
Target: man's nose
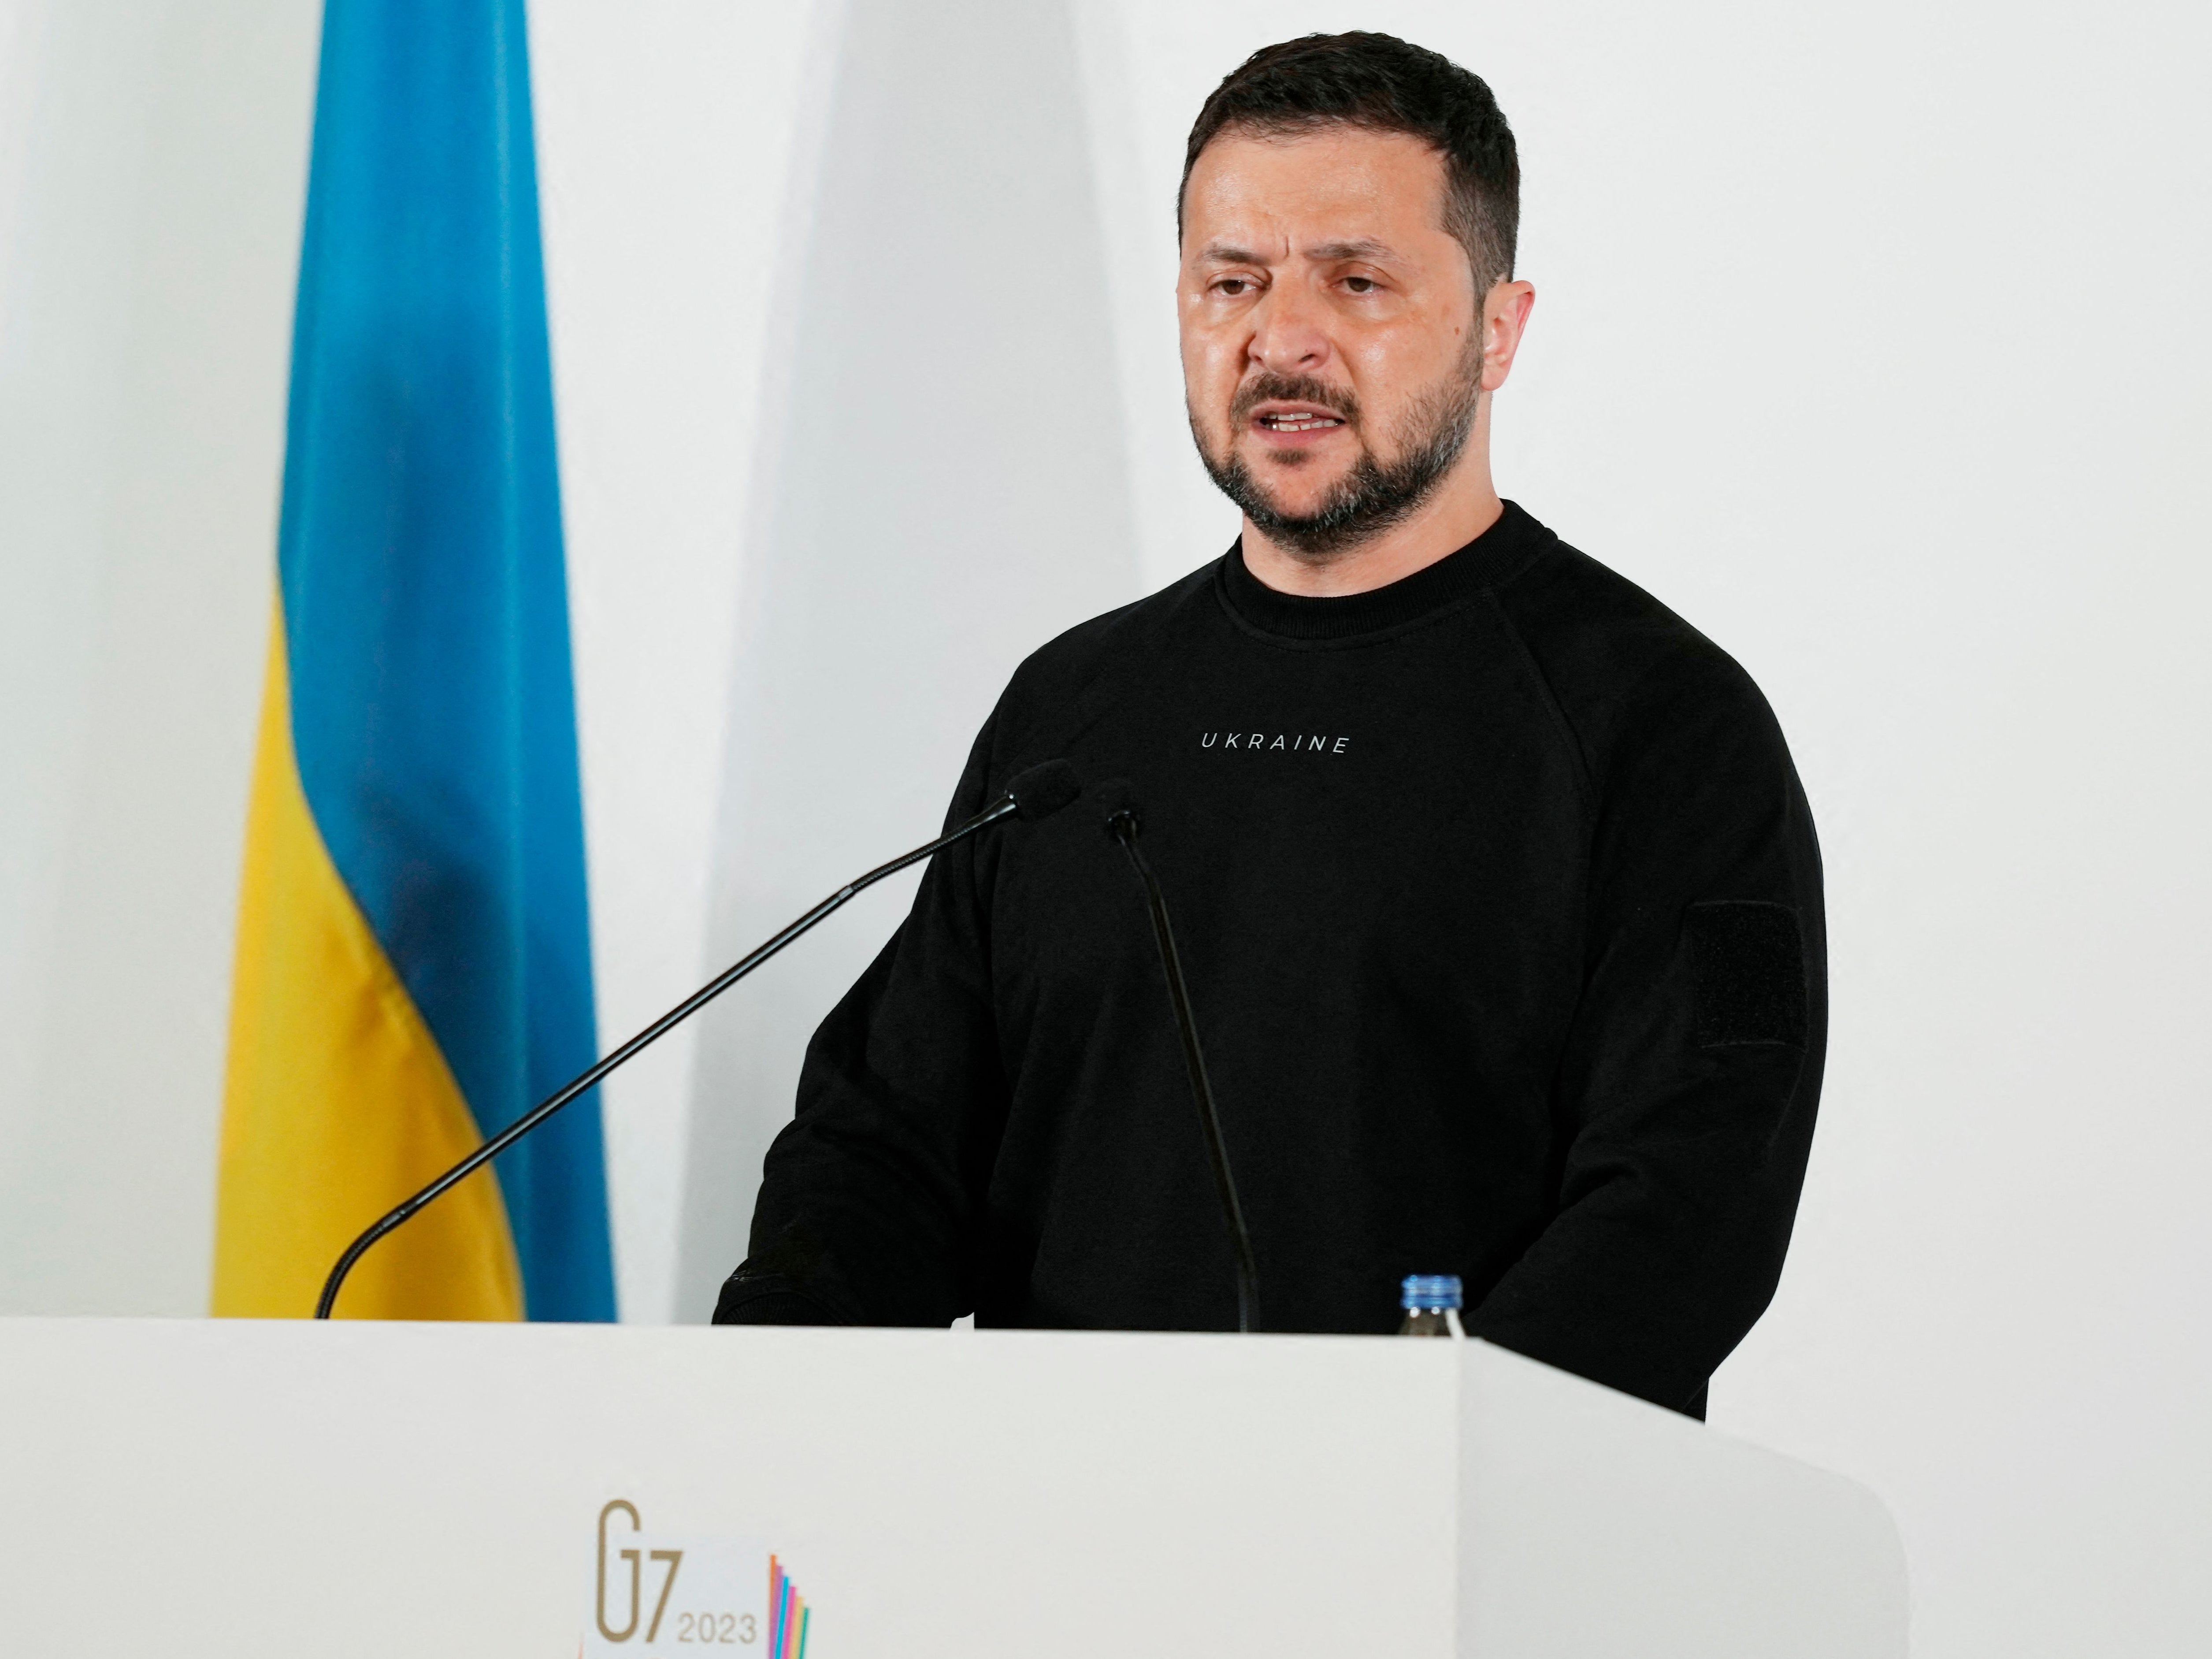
(1288,333)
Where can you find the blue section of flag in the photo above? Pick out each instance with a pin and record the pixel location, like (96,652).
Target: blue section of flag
(425,599)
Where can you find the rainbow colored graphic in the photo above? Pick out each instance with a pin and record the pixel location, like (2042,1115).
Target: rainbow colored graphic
(787,1615)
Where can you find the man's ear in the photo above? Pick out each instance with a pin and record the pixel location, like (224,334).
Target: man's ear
(1504,319)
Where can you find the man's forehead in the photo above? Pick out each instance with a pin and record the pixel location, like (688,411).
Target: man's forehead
(1340,186)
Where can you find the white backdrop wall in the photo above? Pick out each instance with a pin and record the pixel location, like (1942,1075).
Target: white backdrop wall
(667,139)
(153,166)
(1865,338)
(945,487)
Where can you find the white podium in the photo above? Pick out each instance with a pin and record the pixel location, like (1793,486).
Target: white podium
(237,1488)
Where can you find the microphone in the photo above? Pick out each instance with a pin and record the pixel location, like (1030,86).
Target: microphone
(1123,825)
(1037,792)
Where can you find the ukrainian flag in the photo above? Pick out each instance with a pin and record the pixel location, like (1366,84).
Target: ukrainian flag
(414,966)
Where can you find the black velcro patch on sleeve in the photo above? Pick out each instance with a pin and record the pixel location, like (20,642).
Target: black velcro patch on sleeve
(1749,962)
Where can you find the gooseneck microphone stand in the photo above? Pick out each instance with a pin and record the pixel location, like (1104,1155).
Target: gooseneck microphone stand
(1038,792)
(1124,826)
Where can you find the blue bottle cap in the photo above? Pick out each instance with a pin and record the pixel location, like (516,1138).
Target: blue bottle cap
(1429,1292)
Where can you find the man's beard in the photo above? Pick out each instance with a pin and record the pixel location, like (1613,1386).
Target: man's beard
(1372,498)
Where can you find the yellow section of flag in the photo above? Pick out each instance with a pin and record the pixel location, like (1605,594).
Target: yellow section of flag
(337,1103)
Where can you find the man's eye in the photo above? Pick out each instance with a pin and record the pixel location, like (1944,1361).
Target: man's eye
(1231,286)
(1360,284)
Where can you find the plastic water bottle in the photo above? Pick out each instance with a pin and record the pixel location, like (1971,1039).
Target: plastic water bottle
(1431,1305)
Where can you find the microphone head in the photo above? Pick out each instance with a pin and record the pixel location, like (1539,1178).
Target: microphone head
(1043,789)
(1118,810)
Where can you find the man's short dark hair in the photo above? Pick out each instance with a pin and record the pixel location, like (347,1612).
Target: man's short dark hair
(1388,85)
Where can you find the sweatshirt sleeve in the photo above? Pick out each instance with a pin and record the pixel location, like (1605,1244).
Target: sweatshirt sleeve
(1687,1091)
(866,1211)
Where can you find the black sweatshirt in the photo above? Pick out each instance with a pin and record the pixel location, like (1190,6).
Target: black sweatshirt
(1500,908)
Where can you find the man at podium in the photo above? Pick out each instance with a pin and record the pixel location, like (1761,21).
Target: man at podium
(1498,896)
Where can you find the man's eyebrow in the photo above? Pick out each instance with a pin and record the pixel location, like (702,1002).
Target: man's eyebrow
(1363,247)
(1360,247)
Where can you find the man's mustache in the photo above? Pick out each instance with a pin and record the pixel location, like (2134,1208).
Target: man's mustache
(1293,389)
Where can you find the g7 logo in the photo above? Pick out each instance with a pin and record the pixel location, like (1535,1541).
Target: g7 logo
(632,1557)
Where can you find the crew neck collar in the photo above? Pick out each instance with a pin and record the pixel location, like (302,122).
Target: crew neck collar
(1496,554)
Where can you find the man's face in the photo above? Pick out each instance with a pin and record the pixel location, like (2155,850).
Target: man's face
(1330,348)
